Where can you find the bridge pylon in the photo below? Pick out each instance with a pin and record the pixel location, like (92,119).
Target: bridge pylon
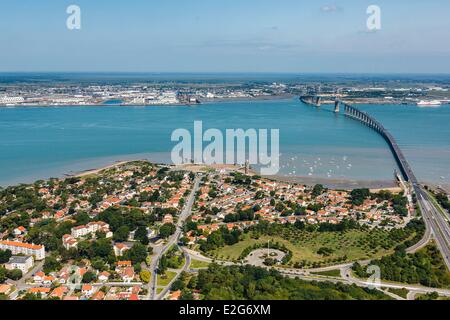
(336,106)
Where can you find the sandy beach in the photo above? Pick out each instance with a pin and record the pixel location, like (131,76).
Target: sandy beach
(96,171)
(345,184)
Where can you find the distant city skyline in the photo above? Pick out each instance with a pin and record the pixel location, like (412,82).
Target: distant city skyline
(265,36)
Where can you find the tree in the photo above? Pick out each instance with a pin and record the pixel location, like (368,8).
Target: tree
(84,248)
(32,296)
(82,218)
(359,195)
(121,234)
(184,241)
(113,216)
(299,225)
(145,276)
(216,239)
(230,218)
(89,277)
(186,295)
(3,277)
(137,254)
(51,264)
(270,262)
(141,235)
(324,251)
(155,196)
(162,266)
(178,285)
(101,248)
(167,230)
(15,274)
(192,284)
(317,190)
(4,256)
(191,226)
(99,265)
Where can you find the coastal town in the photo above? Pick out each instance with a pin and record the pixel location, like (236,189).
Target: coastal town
(139,231)
(224,159)
(159,93)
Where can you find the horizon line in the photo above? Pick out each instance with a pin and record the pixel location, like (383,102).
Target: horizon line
(228,72)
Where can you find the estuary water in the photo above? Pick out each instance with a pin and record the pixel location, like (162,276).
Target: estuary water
(43,142)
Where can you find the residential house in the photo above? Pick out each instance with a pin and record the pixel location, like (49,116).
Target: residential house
(104,276)
(69,242)
(22,263)
(120,248)
(87,290)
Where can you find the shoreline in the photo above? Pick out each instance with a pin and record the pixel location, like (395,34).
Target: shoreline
(88,172)
(346,184)
(202,102)
(336,184)
(359,101)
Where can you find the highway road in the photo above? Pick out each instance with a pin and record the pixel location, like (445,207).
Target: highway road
(436,225)
(434,219)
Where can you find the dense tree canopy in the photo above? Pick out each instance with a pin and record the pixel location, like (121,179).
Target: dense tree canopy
(252,283)
(4,256)
(425,267)
(167,230)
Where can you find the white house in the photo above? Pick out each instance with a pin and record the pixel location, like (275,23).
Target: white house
(90,228)
(87,290)
(120,248)
(39,277)
(69,242)
(23,263)
(104,276)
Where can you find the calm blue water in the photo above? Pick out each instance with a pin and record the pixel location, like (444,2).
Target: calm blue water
(112,102)
(44,142)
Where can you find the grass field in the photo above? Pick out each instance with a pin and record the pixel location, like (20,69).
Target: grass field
(331,273)
(400,292)
(197,264)
(164,281)
(352,245)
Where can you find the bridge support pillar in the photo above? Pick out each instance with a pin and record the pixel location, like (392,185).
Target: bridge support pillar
(318,102)
(336,107)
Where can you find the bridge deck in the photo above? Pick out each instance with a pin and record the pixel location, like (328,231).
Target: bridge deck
(363,117)
(368,120)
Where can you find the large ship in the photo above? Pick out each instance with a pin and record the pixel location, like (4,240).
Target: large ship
(430,103)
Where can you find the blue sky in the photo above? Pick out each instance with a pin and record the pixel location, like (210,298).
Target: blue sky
(226,36)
